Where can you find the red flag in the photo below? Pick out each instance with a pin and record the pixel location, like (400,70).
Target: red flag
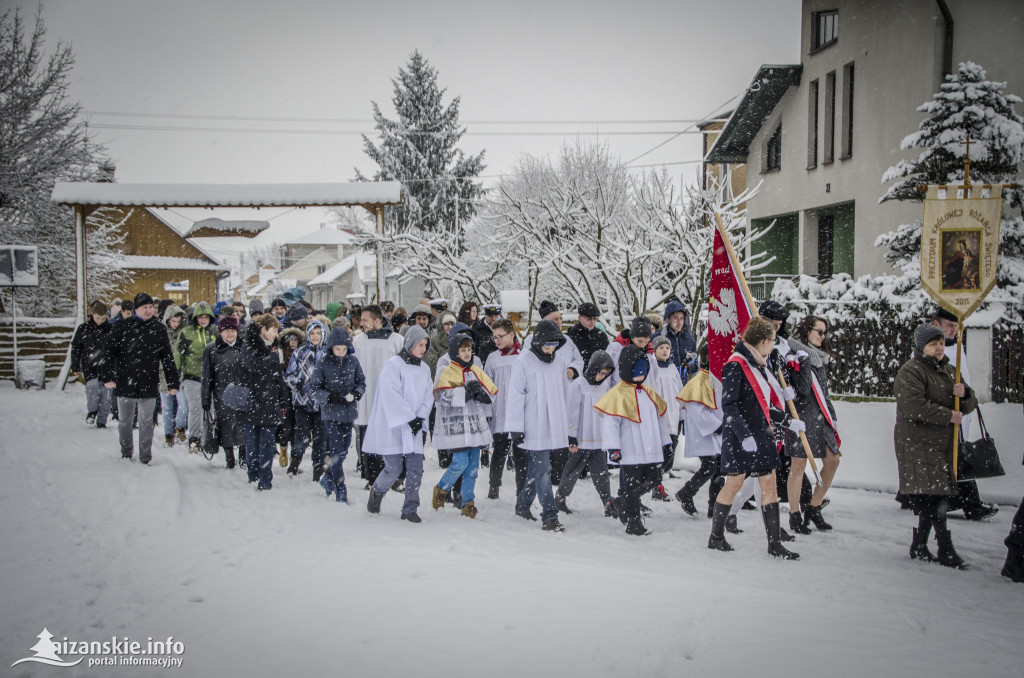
(728,311)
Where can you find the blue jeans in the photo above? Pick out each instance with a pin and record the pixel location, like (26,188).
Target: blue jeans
(339,437)
(466,464)
(97,399)
(175,411)
(259,455)
(538,484)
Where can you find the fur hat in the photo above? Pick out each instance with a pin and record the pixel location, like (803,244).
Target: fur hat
(926,333)
(227,322)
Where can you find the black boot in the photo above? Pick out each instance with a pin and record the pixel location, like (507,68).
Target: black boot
(373,503)
(947,554)
(686,499)
(731,527)
(919,547)
(719,515)
(635,527)
(796,523)
(814,516)
(229,455)
(1013,569)
(293,466)
(770,513)
(561,505)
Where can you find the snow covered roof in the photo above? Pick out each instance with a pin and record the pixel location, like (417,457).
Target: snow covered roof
(361,259)
(227,195)
(760,99)
(214,227)
(142,262)
(327,235)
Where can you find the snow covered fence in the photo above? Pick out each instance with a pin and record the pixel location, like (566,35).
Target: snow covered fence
(46,339)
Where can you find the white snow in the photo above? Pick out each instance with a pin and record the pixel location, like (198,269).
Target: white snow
(226,195)
(358,259)
(326,235)
(142,262)
(236,225)
(288,583)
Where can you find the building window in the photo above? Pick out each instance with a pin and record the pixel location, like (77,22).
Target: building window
(812,125)
(828,152)
(826,28)
(321,269)
(773,152)
(846,141)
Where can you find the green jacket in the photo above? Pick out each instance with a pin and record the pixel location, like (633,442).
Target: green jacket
(193,339)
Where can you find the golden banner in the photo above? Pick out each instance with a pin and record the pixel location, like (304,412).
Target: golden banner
(960,245)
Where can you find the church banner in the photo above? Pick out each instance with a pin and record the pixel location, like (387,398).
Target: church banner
(960,245)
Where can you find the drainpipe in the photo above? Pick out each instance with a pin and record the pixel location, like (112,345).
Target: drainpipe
(947,47)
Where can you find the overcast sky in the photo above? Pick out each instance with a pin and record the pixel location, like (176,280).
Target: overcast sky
(308,64)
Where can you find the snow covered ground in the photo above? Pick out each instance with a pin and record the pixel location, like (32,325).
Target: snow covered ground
(289,583)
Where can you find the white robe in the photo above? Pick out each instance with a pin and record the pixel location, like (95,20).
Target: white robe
(459,423)
(372,354)
(639,443)
(536,403)
(567,356)
(404,392)
(667,383)
(701,423)
(499,369)
(586,423)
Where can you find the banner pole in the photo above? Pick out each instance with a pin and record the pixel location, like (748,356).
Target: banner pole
(956,399)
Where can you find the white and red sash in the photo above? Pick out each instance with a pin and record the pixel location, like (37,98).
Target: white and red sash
(762,388)
(819,395)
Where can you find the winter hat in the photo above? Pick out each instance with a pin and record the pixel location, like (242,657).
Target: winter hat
(279,302)
(339,337)
(773,310)
(421,309)
(633,363)
(141,299)
(926,333)
(546,331)
(228,322)
(659,340)
(547,308)
(599,360)
(640,327)
(589,310)
(333,309)
(255,306)
(297,312)
(446,317)
(413,337)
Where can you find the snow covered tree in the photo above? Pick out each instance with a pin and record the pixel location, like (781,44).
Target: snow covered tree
(967,104)
(420,149)
(41,142)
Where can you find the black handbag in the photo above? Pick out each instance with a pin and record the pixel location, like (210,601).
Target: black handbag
(979,458)
(208,443)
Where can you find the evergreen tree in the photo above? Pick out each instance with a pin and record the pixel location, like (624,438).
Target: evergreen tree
(967,104)
(419,149)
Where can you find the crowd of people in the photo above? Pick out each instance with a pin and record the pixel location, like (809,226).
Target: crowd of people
(552,408)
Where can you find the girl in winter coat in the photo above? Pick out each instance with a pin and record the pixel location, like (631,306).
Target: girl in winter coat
(808,375)
(665,380)
(636,431)
(336,384)
(175,407)
(751,404)
(308,424)
(191,343)
(401,405)
(925,419)
(289,340)
(587,444)
(269,396)
(462,394)
(221,368)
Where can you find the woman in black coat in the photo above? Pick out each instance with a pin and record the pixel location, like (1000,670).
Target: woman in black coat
(221,360)
(749,445)
(261,371)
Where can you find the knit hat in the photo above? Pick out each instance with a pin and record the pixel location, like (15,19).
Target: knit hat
(228,322)
(297,312)
(640,327)
(589,310)
(659,340)
(141,299)
(926,333)
(773,310)
(421,309)
(547,308)
(278,302)
(255,306)
(414,336)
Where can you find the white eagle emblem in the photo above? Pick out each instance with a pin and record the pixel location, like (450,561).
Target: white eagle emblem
(722,315)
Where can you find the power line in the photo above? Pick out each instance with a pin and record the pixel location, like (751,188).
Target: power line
(685,131)
(258,130)
(258,118)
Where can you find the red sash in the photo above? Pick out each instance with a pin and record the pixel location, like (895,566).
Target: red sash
(759,386)
(820,397)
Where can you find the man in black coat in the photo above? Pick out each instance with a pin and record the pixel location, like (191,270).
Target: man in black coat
(136,349)
(88,349)
(585,333)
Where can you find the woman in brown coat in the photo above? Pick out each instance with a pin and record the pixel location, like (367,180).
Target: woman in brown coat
(923,436)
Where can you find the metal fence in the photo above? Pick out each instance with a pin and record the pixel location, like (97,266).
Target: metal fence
(1007,363)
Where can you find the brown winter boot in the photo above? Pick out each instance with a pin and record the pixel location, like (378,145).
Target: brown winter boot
(437,501)
(169,441)
(180,432)
(469,510)
(282,457)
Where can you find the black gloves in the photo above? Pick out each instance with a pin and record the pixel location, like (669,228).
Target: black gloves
(516,438)
(573,442)
(356,395)
(718,431)
(336,398)
(416,425)
(666,450)
(476,391)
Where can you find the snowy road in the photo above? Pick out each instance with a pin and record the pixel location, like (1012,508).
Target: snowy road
(288,583)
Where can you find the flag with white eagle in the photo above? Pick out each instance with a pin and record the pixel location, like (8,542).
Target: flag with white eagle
(728,311)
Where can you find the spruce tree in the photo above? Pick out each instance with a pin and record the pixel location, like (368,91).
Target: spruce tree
(419,149)
(967,104)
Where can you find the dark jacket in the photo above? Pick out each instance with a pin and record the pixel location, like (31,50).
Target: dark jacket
(682,342)
(88,348)
(221,366)
(744,417)
(339,376)
(136,350)
(819,433)
(587,341)
(923,435)
(261,371)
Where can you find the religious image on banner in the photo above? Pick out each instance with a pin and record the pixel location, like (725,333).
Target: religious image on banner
(960,245)
(728,312)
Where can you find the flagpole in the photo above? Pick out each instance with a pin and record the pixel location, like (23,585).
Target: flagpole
(956,399)
(753,309)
